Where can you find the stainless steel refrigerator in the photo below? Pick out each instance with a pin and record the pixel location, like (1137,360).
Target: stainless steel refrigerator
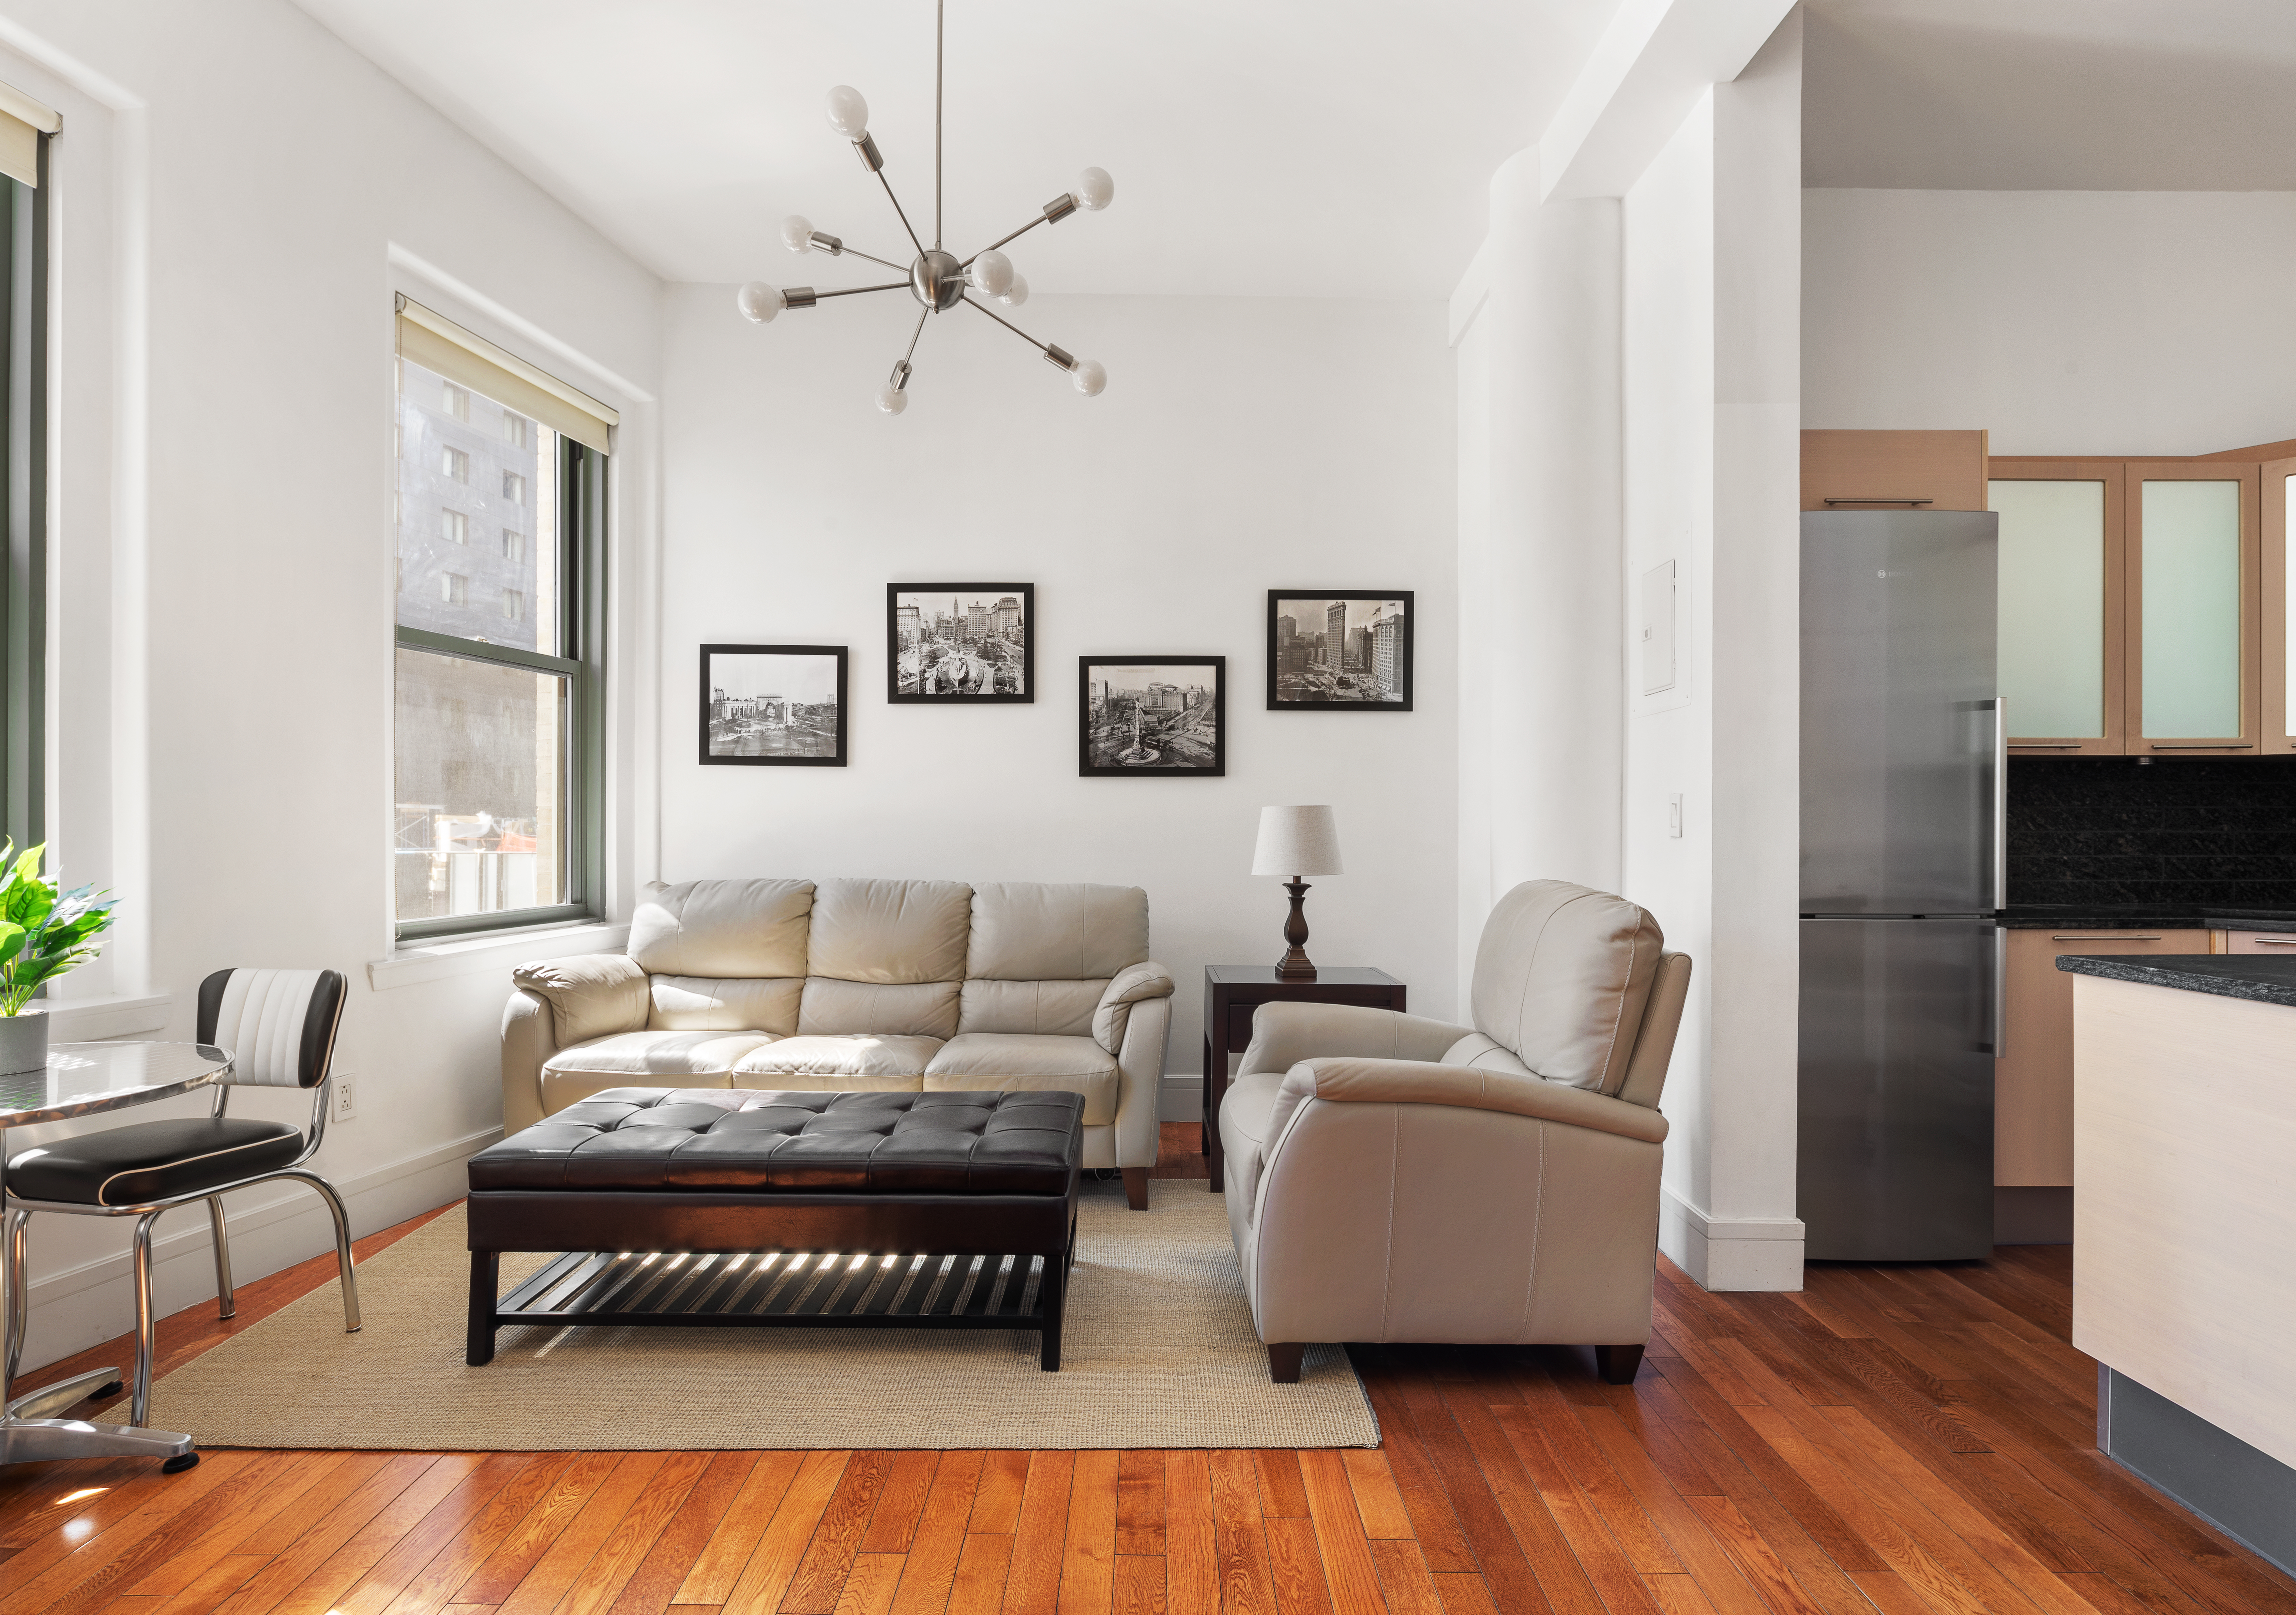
(1902,776)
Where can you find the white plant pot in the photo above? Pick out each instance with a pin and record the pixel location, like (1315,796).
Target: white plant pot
(24,1041)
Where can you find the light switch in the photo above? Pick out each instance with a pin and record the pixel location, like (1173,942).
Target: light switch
(1673,814)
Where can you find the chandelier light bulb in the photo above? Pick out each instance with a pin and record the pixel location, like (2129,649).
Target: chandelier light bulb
(849,114)
(891,399)
(759,301)
(797,233)
(1091,375)
(1015,294)
(1095,190)
(992,272)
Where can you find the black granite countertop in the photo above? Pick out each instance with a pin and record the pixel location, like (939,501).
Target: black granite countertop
(2263,980)
(2044,917)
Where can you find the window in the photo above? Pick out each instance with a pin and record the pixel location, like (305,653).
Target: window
(23,470)
(499,713)
(457,527)
(457,401)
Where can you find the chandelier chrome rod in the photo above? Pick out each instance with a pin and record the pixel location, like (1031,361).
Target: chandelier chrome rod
(940,13)
(992,246)
(913,335)
(896,201)
(857,290)
(1042,348)
(882,262)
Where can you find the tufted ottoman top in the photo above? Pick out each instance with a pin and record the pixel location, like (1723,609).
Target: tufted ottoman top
(720,1139)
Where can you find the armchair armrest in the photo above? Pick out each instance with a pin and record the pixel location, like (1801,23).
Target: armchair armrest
(1130,985)
(1283,1035)
(1420,1082)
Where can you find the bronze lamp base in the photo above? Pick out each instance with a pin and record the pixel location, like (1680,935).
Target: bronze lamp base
(1295,965)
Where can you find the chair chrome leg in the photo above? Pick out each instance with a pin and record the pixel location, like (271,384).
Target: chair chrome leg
(342,1247)
(20,1297)
(227,1303)
(146,1320)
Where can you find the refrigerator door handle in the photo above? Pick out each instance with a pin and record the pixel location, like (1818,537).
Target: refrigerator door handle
(2001,992)
(2000,801)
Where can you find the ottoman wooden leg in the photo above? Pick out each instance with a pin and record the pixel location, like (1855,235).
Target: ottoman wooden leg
(486,1277)
(1135,1187)
(1052,1297)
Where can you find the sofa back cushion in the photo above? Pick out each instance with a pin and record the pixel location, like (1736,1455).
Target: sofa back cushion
(722,928)
(1562,978)
(689,1004)
(890,931)
(909,1009)
(1050,1009)
(1026,930)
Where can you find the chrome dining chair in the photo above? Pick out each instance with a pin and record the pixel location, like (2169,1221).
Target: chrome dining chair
(279,1025)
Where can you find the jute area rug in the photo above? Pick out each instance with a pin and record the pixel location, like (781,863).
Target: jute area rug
(1159,1352)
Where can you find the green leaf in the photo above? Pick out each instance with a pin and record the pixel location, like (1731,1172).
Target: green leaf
(11,940)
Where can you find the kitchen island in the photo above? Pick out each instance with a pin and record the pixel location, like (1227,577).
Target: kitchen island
(2185,1227)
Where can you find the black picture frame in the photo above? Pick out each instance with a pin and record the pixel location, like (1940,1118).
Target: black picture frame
(1087,723)
(711,685)
(958,592)
(1345,677)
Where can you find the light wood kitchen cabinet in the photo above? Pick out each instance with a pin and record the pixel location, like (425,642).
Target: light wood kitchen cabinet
(2277,484)
(2063,613)
(2033,1084)
(2194,589)
(1880,470)
(2281,942)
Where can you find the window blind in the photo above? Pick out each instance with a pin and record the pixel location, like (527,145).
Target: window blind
(22,121)
(436,343)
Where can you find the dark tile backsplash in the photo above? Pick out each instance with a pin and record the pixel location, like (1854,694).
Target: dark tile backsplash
(2112,832)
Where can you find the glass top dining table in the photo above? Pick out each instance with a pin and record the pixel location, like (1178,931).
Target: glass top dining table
(84,1079)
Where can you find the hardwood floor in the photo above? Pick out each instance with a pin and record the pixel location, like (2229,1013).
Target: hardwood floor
(1892,1441)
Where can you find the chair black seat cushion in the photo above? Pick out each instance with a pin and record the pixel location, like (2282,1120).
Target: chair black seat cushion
(150,1160)
(716,1139)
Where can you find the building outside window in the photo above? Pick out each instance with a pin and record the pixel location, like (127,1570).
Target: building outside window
(499,719)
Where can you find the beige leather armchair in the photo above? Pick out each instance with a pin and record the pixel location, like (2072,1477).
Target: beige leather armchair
(1392,1178)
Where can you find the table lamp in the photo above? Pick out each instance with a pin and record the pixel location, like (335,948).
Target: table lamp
(1297,842)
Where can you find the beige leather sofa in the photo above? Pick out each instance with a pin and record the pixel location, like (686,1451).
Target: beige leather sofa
(1391,1177)
(902,985)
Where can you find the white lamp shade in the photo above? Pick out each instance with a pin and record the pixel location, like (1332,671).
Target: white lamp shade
(1297,842)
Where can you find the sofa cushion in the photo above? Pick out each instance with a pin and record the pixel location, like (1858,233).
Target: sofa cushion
(1245,1112)
(804,1142)
(675,1057)
(1053,1009)
(722,928)
(923,1009)
(683,1003)
(1018,1062)
(1036,932)
(1562,978)
(1481,1053)
(590,995)
(890,931)
(843,1064)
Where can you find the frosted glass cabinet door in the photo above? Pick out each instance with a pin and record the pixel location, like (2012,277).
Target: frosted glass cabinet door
(2279,592)
(2060,606)
(2194,583)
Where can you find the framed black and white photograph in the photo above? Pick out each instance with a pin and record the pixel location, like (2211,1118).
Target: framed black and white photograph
(960,642)
(1152,715)
(1339,650)
(774,704)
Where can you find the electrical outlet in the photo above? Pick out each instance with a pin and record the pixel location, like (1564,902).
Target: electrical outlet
(346,1097)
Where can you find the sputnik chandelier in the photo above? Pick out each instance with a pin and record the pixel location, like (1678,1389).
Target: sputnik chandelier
(937,280)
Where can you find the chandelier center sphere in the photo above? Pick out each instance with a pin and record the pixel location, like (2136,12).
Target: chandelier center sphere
(937,279)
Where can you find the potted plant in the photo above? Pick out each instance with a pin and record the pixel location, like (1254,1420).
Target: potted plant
(44,932)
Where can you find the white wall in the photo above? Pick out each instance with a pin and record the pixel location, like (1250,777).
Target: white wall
(236,196)
(1242,444)
(1710,320)
(2065,322)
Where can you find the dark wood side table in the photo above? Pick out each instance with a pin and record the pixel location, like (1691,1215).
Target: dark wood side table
(1233,992)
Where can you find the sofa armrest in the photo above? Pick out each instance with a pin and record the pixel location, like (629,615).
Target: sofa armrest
(589,995)
(1283,1035)
(1466,1087)
(1130,985)
(1140,1061)
(527,1040)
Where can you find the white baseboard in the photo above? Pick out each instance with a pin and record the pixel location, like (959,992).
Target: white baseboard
(74,1309)
(1181,1098)
(1730,1252)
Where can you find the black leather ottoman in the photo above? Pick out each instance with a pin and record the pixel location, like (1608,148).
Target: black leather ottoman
(715,1206)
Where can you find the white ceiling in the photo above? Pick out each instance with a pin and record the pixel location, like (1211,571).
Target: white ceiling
(1316,147)
(2051,95)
